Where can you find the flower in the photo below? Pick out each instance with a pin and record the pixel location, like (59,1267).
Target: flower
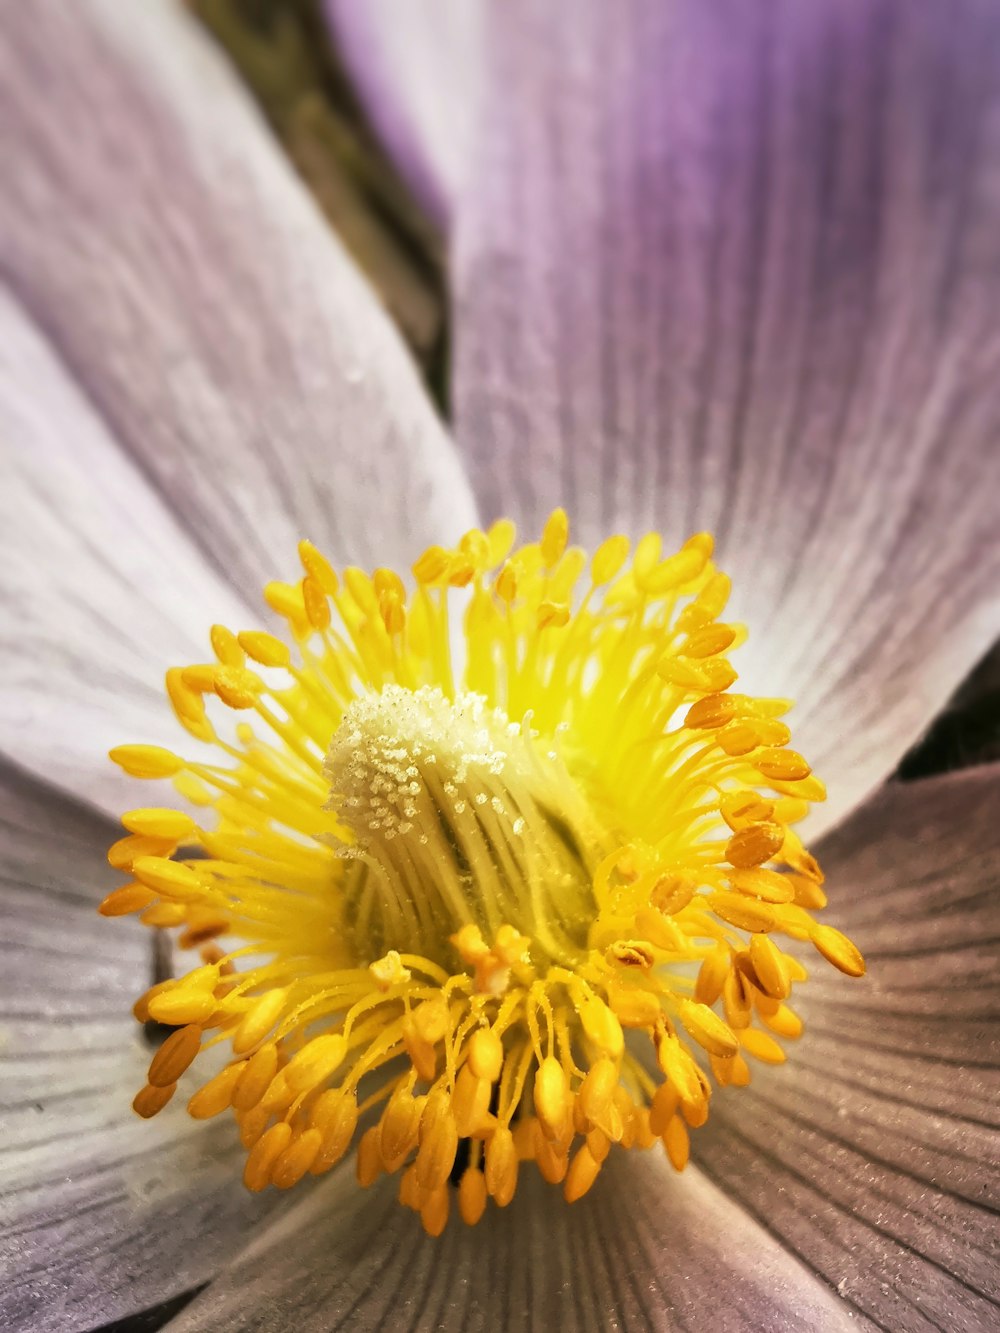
(449,887)
(804,369)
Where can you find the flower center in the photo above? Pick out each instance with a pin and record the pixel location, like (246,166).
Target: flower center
(448,890)
(460,820)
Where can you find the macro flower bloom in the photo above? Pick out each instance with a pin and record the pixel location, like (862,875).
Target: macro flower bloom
(451,887)
(715,268)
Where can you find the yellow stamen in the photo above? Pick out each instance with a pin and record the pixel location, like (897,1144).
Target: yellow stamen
(465,894)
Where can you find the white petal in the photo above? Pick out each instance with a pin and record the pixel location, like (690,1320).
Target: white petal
(736,268)
(645,1249)
(101,586)
(418,65)
(875,1153)
(189,283)
(101,1214)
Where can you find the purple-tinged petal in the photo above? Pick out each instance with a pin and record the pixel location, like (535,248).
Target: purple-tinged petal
(418,66)
(874,1154)
(737,267)
(101,586)
(645,1249)
(101,1214)
(190,285)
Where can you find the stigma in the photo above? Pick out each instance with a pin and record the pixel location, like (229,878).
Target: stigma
(470,910)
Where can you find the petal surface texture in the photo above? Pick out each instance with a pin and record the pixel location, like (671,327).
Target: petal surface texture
(101,1213)
(736,267)
(418,65)
(102,586)
(644,1250)
(190,285)
(875,1154)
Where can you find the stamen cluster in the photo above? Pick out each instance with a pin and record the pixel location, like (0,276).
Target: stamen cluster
(523,908)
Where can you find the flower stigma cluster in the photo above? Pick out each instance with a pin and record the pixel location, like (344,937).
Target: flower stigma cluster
(522,908)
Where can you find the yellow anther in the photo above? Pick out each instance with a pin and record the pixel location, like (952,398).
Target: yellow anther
(146,761)
(259,1019)
(181,1006)
(837,949)
(471,946)
(432,566)
(677,1065)
(399,1127)
(761,1046)
(470,1102)
(647,553)
(335,1115)
(769,965)
(501,1166)
(551,1096)
(296,1159)
(431,1019)
(665,1102)
(713,712)
(237,687)
(506,583)
(784,1021)
(264,1154)
(742,912)
(256,1077)
(264,648)
(709,641)
(660,930)
(126,851)
(501,538)
(129,898)
(285,599)
(389,971)
(631,953)
(171,825)
(438,1140)
(583,1171)
(608,559)
(434,1214)
(316,603)
(174,1056)
(769,885)
(742,808)
(673,572)
(634,1008)
(318,568)
(226,646)
(596,1097)
(754,845)
(472,1195)
(169,877)
(552,614)
(163,915)
(672,893)
(317,1060)
(712,975)
(677,1143)
(217,1094)
(151,1099)
(369,1158)
(708,1029)
(188,705)
(485,1057)
(554,537)
(781,765)
(603,1028)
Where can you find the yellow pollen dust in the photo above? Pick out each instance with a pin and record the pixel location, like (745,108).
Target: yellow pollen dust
(519,908)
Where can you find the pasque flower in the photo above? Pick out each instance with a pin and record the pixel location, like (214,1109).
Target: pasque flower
(725,268)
